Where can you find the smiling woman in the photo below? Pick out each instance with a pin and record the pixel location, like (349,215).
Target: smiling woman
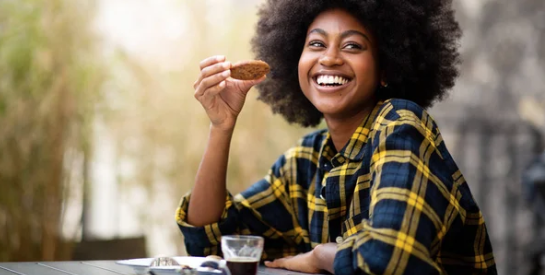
(377,192)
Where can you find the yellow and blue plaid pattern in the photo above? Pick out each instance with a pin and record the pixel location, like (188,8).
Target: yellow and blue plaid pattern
(393,199)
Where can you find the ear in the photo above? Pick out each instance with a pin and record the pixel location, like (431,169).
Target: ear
(383,79)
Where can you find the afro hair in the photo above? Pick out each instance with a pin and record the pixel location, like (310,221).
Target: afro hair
(417,49)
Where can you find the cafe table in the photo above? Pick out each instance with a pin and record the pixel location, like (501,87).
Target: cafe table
(92,268)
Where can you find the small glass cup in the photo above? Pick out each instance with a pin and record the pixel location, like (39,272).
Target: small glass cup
(242,253)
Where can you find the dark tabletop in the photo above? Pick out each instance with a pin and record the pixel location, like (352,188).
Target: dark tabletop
(91,268)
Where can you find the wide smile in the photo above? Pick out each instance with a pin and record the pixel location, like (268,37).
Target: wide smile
(330,83)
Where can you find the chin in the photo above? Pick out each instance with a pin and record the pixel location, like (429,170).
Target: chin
(330,105)
(330,110)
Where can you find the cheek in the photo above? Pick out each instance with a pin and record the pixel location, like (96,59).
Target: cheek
(303,70)
(303,63)
(300,69)
(367,69)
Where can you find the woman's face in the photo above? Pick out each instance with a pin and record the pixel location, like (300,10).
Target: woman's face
(338,69)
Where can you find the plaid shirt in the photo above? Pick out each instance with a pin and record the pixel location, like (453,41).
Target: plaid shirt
(393,198)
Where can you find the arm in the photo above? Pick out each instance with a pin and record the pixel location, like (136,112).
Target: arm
(222,98)
(209,193)
(266,208)
(325,254)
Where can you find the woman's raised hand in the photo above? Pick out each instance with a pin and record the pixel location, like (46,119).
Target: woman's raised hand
(221,96)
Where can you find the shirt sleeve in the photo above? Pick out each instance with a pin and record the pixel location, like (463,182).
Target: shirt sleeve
(264,209)
(412,192)
(206,240)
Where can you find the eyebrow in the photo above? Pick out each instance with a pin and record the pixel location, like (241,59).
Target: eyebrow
(343,35)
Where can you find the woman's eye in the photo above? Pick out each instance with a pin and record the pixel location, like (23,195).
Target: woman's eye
(353,46)
(316,44)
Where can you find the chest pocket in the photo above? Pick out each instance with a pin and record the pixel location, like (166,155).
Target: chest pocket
(353,224)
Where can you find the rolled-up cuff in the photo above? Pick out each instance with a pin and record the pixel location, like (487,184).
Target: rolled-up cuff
(344,262)
(206,240)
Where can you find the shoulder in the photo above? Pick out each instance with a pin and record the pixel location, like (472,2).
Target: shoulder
(404,113)
(403,121)
(396,109)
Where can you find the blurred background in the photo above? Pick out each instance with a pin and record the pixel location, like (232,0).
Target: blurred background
(100,135)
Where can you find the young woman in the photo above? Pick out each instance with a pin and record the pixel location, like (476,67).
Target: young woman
(377,191)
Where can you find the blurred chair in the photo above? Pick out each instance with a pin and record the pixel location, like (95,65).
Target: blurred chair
(534,187)
(115,249)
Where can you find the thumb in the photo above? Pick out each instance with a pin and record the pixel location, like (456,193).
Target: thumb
(247,84)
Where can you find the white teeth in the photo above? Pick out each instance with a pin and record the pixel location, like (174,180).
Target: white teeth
(329,79)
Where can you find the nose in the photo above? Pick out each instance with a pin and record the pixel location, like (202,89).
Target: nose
(331,58)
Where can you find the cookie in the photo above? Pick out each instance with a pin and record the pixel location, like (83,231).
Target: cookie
(249,70)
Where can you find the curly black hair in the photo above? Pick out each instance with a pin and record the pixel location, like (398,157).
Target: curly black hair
(417,49)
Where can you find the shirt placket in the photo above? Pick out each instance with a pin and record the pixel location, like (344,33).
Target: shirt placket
(330,192)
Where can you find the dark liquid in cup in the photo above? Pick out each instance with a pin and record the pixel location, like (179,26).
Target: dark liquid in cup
(242,266)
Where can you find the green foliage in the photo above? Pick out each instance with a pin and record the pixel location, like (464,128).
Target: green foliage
(49,83)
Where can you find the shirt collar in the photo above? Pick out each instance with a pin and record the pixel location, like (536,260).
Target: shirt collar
(353,150)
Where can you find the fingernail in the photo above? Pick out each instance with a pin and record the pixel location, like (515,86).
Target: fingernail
(226,73)
(220,57)
(227,65)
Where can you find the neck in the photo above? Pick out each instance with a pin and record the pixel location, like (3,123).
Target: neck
(341,129)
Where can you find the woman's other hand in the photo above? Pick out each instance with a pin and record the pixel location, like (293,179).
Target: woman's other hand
(301,263)
(221,96)
(318,260)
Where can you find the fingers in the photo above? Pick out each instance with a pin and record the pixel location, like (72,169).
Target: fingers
(205,63)
(211,70)
(278,263)
(211,60)
(215,69)
(211,83)
(207,96)
(212,79)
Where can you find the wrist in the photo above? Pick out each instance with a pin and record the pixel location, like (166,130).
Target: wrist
(220,137)
(323,256)
(222,130)
(315,255)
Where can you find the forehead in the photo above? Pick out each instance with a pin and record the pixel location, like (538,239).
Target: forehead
(336,20)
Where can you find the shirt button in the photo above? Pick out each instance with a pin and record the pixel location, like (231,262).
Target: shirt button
(339,240)
(322,193)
